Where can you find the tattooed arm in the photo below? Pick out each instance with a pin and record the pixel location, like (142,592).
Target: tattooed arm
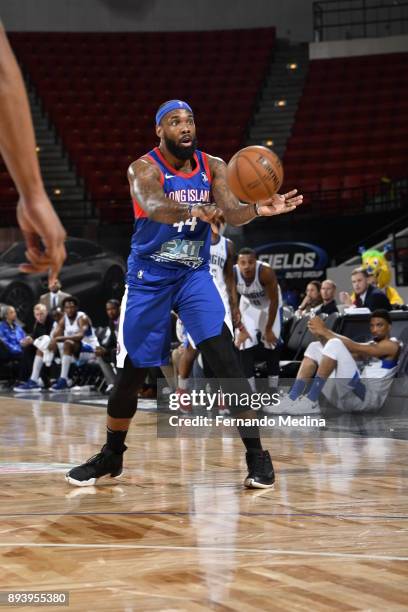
(146,188)
(237,213)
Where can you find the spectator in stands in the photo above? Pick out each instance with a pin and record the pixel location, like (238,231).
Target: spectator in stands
(54,298)
(32,358)
(312,299)
(77,335)
(366,295)
(11,336)
(328,293)
(348,385)
(106,351)
(36,216)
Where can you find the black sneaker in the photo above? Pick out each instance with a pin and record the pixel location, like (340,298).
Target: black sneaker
(260,470)
(105,463)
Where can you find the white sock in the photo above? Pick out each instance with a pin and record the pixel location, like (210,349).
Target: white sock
(65,363)
(273,382)
(183,383)
(106,370)
(168,374)
(252,383)
(37,365)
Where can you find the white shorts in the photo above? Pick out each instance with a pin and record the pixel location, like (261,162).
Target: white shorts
(254,321)
(337,389)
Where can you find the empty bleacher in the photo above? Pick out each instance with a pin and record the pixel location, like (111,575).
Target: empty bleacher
(350,129)
(101,92)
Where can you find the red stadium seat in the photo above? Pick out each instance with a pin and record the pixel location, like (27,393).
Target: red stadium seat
(97,89)
(345,129)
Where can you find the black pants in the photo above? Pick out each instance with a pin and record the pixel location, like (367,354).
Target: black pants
(27,361)
(9,364)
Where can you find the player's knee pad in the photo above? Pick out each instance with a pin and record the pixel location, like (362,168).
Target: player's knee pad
(222,356)
(122,403)
(220,353)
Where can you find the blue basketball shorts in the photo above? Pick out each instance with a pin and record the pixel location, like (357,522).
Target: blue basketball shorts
(145,321)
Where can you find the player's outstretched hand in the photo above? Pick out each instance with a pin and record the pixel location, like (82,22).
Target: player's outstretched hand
(207,212)
(280,204)
(40,225)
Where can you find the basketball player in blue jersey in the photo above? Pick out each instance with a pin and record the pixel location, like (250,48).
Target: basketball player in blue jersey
(177,192)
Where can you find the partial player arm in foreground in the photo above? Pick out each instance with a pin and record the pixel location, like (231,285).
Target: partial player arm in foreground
(35,214)
(237,213)
(146,188)
(384,348)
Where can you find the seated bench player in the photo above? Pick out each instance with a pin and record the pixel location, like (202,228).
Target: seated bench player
(352,376)
(76,333)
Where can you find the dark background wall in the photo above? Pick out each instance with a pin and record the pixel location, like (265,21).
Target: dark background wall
(293,18)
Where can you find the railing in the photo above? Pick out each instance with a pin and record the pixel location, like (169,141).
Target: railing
(387,231)
(384,196)
(400,244)
(346,19)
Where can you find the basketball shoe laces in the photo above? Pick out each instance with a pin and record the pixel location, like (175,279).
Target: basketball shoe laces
(103,462)
(259,464)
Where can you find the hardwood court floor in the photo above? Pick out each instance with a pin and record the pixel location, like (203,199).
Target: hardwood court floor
(179,532)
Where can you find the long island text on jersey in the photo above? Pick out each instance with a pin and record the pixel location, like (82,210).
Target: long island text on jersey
(185,244)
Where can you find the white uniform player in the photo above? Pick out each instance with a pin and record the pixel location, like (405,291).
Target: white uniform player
(376,375)
(352,376)
(218,259)
(72,328)
(254,307)
(77,337)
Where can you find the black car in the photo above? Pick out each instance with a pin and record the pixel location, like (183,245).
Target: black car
(89,272)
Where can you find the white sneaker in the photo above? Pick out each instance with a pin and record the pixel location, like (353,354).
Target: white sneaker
(284,406)
(273,409)
(303,405)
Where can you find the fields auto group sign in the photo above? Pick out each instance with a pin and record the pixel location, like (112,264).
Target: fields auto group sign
(294,259)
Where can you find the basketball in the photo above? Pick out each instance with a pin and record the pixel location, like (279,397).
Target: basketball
(254,173)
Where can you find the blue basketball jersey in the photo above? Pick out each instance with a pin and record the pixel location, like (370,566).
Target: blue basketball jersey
(184,245)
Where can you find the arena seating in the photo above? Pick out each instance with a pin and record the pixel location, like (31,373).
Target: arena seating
(101,92)
(350,129)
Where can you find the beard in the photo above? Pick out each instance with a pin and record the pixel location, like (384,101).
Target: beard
(182,153)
